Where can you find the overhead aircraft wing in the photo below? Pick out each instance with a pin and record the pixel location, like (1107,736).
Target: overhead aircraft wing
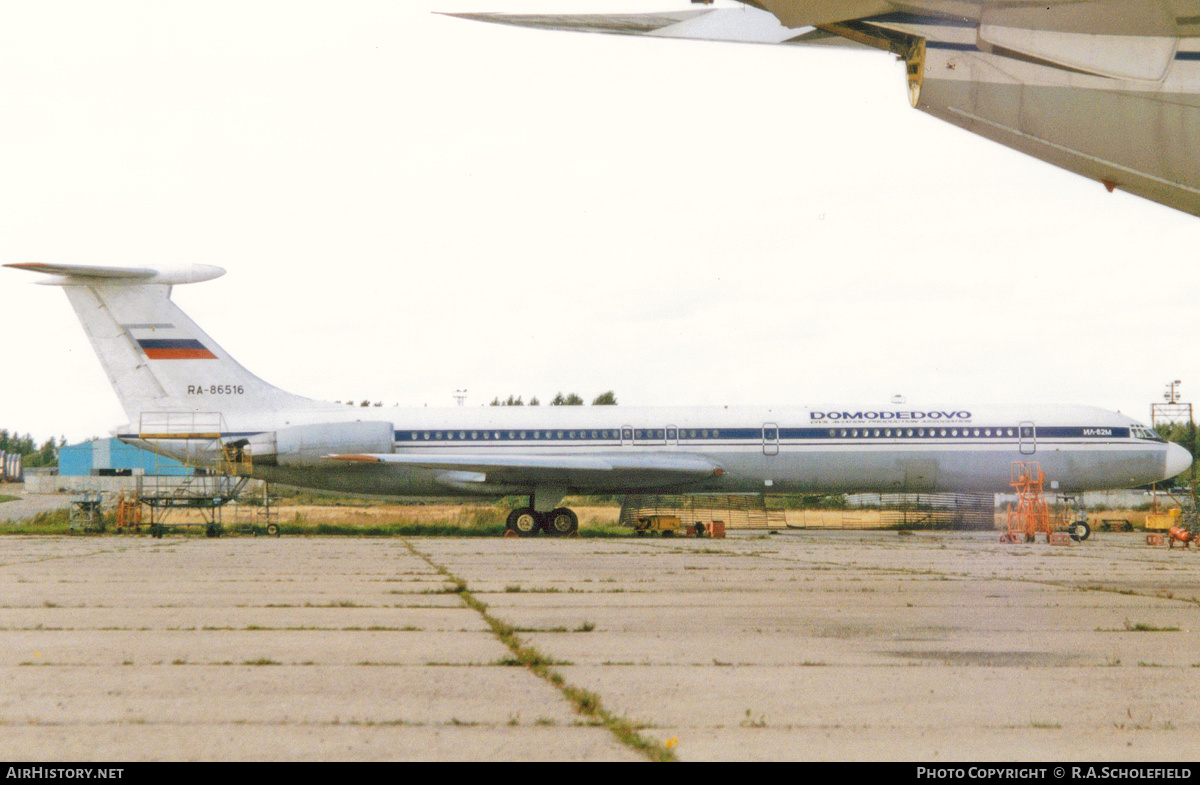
(738,25)
(1109,89)
(575,471)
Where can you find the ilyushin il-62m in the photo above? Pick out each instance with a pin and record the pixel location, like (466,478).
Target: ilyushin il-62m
(1109,89)
(169,376)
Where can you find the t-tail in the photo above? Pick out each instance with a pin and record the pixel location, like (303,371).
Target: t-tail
(157,359)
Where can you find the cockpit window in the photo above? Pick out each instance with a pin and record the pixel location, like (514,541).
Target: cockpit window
(1142,432)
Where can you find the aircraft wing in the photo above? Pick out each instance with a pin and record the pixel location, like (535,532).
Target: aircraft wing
(574,471)
(740,25)
(1109,89)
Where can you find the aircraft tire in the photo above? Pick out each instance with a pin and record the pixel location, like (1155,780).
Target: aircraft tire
(1080,531)
(524,521)
(561,522)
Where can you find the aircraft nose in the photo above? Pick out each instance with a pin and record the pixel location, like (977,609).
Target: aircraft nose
(1177,461)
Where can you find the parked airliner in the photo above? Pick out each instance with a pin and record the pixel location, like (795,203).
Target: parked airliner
(187,398)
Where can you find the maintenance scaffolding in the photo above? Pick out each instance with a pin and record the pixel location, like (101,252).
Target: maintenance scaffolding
(219,472)
(1172,411)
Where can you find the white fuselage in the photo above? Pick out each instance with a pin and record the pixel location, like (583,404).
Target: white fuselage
(832,449)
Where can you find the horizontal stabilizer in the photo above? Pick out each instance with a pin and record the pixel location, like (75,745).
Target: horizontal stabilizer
(72,274)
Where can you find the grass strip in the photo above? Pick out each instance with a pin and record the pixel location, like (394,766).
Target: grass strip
(525,655)
(59,522)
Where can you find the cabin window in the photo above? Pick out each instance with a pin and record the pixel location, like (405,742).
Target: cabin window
(672,433)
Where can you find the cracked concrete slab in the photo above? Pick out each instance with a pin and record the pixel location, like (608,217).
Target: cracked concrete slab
(813,645)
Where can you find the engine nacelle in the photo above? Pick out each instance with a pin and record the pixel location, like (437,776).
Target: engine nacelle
(307,445)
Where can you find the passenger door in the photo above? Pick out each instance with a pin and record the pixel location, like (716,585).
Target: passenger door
(1028,438)
(770,435)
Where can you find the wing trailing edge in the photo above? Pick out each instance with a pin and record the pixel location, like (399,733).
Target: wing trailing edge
(507,474)
(679,465)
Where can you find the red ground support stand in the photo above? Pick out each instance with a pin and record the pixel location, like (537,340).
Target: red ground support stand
(1154,539)
(1181,535)
(1032,515)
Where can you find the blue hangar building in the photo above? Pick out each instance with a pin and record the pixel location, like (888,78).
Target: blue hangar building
(113,458)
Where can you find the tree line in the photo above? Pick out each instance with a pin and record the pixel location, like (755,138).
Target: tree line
(34,456)
(571,399)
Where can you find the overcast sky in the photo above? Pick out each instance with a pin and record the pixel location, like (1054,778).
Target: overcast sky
(408,204)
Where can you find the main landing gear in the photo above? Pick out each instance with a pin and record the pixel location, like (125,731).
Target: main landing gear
(527,522)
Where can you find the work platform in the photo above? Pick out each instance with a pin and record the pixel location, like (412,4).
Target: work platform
(220,475)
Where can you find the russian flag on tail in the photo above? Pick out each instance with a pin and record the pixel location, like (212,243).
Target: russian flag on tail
(175,349)
(162,348)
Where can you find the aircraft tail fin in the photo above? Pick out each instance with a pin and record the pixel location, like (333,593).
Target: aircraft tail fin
(156,357)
